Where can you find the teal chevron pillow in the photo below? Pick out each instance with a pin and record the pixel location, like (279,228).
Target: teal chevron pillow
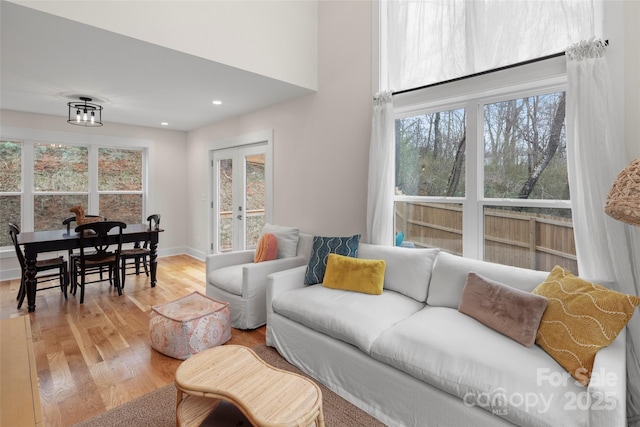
(322,247)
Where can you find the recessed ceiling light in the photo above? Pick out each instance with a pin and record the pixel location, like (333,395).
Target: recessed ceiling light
(216,102)
(164,124)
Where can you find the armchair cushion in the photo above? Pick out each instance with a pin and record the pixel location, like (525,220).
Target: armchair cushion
(228,278)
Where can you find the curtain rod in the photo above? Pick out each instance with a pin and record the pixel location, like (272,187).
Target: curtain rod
(481,73)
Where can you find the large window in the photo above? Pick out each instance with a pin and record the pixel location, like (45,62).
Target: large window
(120,184)
(487,178)
(39,182)
(10,186)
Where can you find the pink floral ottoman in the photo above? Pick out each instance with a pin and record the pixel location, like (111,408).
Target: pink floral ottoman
(188,325)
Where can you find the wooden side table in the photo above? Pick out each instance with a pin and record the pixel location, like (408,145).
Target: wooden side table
(267,396)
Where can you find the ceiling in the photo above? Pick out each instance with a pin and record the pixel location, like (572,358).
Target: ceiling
(47,61)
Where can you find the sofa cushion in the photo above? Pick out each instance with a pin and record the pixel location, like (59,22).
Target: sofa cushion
(287,239)
(267,249)
(455,353)
(353,274)
(450,274)
(228,278)
(408,270)
(322,247)
(581,318)
(508,310)
(352,317)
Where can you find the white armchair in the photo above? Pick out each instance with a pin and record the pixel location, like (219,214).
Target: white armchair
(234,277)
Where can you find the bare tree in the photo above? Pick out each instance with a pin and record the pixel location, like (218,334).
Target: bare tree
(550,150)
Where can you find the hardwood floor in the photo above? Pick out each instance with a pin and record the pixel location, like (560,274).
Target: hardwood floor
(95,356)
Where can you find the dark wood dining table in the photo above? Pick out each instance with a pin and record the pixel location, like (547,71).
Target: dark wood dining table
(36,242)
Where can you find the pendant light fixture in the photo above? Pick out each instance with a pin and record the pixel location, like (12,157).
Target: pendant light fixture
(84,113)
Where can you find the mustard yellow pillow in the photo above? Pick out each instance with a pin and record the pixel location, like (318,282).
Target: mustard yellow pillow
(354,274)
(580,319)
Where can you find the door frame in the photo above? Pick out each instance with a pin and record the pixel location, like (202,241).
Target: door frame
(255,138)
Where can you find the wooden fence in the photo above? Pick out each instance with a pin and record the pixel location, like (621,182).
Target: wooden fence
(520,239)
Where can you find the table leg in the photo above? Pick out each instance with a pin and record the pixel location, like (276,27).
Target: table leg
(30,282)
(153,261)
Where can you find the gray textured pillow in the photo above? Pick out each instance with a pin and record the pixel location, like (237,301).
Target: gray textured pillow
(287,239)
(510,311)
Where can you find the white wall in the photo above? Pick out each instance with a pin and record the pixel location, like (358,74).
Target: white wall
(267,37)
(321,141)
(167,179)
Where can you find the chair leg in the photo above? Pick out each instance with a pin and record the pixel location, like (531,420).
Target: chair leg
(82,279)
(145,264)
(117,280)
(73,278)
(64,280)
(22,292)
(123,272)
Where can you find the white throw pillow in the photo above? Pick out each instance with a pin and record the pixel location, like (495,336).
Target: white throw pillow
(408,270)
(287,239)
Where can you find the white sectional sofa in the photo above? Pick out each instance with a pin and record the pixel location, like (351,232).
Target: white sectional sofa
(410,358)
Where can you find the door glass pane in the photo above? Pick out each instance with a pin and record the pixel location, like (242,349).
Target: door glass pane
(126,208)
(430,225)
(60,168)
(525,154)
(225,205)
(50,210)
(430,151)
(255,199)
(537,238)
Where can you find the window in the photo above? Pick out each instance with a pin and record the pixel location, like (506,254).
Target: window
(39,182)
(487,179)
(481,158)
(10,186)
(60,180)
(120,184)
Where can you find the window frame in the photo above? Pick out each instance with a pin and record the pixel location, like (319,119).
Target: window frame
(472,94)
(30,137)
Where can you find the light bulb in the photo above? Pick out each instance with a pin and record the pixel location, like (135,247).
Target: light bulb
(78,116)
(93,117)
(84,117)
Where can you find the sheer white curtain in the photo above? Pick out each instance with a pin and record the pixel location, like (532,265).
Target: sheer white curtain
(595,156)
(438,40)
(381,172)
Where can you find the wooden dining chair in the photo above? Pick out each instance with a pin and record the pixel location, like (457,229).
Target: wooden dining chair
(58,263)
(139,254)
(97,251)
(72,256)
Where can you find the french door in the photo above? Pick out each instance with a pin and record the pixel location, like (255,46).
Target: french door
(240,195)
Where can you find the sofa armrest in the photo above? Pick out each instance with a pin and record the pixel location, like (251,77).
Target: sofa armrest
(279,283)
(255,275)
(216,261)
(608,385)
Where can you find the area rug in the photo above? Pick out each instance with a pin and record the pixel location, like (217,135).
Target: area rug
(158,408)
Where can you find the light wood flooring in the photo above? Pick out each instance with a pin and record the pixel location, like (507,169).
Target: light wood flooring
(95,356)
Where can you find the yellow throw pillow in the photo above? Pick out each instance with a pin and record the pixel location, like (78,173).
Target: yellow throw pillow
(580,319)
(354,274)
(267,248)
